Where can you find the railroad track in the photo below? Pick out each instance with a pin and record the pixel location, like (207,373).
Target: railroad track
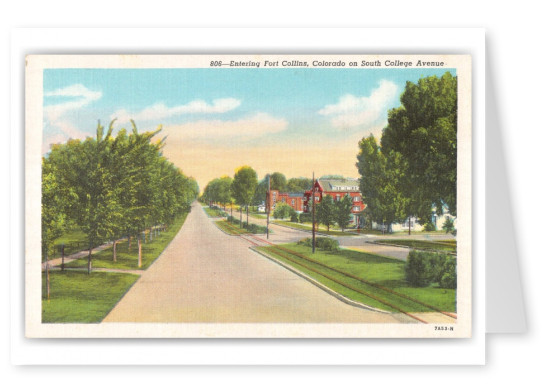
(307,262)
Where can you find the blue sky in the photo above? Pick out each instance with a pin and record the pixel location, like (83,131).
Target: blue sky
(232,110)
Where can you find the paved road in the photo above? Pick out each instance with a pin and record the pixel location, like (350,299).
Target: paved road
(205,275)
(364,243)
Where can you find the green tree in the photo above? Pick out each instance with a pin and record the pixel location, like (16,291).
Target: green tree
(243,188)
(325,211)
(278,182)
(343,208)
(282,210)
(423,130)
(224,191)
(299,185)
(55,201)
(380,182)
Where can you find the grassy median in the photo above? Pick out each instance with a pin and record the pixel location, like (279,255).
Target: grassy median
(436,245)
(384,276)
(308,227)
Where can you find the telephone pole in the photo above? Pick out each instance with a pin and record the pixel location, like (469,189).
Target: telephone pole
(313,214)
(268,209)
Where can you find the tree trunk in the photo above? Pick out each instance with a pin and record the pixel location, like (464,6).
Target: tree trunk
(151,234)
(240,217)
(47,277)
(114,251)
(129,243)
(247,216)
(409,224)
(90,258)
(139,252)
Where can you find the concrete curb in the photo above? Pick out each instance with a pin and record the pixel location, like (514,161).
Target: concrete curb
(338,296)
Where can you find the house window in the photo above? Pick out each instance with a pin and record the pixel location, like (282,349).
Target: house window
(283,199)
(356,199)
(338,198)
(356,209)
(293,202)
(317,199)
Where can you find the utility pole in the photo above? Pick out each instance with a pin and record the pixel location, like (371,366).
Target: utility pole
(313,215)
(268,209)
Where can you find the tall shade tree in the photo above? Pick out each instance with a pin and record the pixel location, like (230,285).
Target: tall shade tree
(55,200)
(224,191)
(325,211)
(423,130)
(343,208)
(83,167)
(299,185)
(278,182)
(243,188)
(380,178)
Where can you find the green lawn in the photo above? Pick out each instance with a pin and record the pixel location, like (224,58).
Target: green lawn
(79,297)
(128,259)
(259,215)
(437,245)
(308,227)
(212,212)
(230,228)
(383,271)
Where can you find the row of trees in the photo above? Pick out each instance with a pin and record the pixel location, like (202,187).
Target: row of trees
(413,171)
(240,190)
(110,187)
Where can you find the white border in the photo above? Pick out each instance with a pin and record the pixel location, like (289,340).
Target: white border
(288,41)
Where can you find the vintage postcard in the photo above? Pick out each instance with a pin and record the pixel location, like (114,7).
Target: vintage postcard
(247,196)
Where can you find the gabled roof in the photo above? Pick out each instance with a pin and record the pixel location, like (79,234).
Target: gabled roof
(340,184)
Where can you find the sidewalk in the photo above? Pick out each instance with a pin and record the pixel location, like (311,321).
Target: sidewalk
(81,254)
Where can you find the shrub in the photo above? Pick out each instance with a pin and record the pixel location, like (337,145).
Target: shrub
(282,211)
(294,216)
(449,226)
(305,217)
(424,268)
(325,244)
(429,226)
(417,273)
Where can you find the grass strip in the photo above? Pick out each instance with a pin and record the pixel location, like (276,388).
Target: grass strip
(213,212)
(308,227)
(440,245)
(79,297)
(230,229)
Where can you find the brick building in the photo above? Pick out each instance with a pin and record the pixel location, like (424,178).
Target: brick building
(294,200)
(337,188)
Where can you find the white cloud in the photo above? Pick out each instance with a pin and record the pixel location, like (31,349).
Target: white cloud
(56,116)
(255,125)
(160,111)
(353,111)
(81,95)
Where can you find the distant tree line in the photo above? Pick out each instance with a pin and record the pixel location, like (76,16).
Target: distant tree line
(111,187)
